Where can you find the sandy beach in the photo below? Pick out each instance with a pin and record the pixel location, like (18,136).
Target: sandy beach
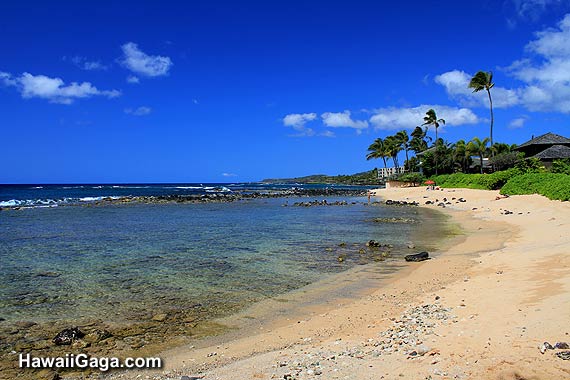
(481,309)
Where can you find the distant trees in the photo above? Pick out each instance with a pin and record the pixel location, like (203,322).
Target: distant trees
(444,157)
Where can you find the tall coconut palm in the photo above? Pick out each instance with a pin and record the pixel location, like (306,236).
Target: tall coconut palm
(478,147)
(377,150)
(404,140)
(484,81)
(431,119)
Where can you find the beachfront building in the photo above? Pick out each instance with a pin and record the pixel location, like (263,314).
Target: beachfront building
(387,172)
(546,148)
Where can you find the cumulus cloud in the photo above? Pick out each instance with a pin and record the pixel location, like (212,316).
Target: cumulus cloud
(229,175)
(393,118)
(546,72)
(518,123)
(544,75)
(342,120)
(456,84)
(139,111)
(143,64)
(53,89)
(298,122)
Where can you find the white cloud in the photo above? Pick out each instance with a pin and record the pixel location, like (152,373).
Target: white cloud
(393,118)
(517,123)
(342,120)
(143,64)
(140,111)
(84,64)
(544,76)
(531,9)
(133,79)
(229,175)
(53,89)
(456,84)
(298,121)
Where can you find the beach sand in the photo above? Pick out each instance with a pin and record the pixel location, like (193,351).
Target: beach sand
(479,310)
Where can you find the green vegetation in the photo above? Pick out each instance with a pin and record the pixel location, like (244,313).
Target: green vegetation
(561,166)
(492,181)
(365,178)
(551,185)
(431,119)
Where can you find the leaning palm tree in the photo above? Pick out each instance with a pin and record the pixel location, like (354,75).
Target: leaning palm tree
(484,81)
(377,150)
(418,143)
(404,140)
(393,147)
(478,147)
(431,119)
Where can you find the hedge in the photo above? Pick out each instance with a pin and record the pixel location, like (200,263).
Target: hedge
(552,186)
(492,181)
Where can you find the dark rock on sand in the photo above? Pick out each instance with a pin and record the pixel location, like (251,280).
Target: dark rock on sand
(373,243)
(417,257)
(67,336)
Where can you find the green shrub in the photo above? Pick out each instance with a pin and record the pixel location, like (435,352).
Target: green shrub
(415,178)
(506,160)
(561,166)
(530,165)
(551,185)
(492,181)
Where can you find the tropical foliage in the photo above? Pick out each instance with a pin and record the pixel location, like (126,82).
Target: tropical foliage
(551,185)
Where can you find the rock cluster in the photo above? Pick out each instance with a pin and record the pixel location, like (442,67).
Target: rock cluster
(390,202)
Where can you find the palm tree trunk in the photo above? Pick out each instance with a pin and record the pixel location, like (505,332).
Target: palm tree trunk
(407,160)
(481,157)
(492,119)
(435,154)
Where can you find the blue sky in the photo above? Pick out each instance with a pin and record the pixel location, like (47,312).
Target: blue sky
(216,91)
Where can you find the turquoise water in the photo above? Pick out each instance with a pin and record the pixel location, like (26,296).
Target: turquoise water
(125,262)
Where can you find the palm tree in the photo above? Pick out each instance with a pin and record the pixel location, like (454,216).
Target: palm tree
(418,143)
(392,148)
(484,81)
(377,150)
(500,148)
(478,147)
(404,140)
(460,154)
(431,119)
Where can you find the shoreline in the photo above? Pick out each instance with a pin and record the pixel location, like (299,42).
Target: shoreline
(458,277)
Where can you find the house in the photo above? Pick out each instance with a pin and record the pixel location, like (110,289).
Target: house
(546,148)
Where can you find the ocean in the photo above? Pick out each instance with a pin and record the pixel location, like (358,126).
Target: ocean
(66,261)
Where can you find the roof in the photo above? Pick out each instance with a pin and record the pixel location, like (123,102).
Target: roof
(428,150)
(546,139)
(554,152)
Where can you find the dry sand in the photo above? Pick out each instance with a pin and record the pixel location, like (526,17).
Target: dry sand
(477,311)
